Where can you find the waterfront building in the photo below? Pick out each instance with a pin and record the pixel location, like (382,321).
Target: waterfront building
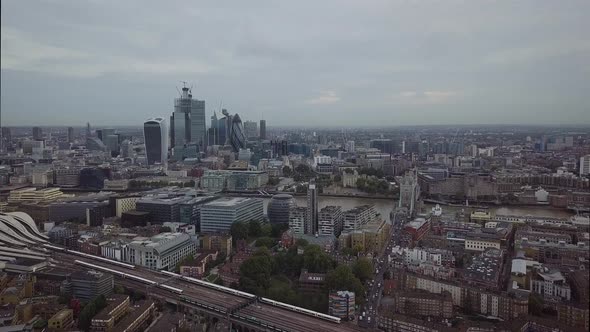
(219,215)
(30,195)
(355,218)
(311,220)
(161,209)
(297,216)
(279,207)
(216,180)
(409,192)
(330,220)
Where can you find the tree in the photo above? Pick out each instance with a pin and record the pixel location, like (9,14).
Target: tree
(239,230)
(86,316)
(287,171)
(265,242)
(118,289)
(316,260)
(254,228)
(165,229)
(301,243)
(362,269)
(342,278)
(266,230)
(278,229)
(347,251)
(255,273)
(338,178)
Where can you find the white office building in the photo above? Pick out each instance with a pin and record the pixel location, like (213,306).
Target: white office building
(219,215)
(160,252)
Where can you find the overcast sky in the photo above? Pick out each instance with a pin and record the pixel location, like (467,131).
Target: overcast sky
(340,63)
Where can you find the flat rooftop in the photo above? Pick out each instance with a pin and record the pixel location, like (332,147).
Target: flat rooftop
(228,201)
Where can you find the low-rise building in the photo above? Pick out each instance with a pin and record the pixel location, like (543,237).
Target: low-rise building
(424,304)
(217,242)
(104,320)
(62,320)
(311,282)
(341,304)
(138,318)
(551,284)
(86,285)
(160,252)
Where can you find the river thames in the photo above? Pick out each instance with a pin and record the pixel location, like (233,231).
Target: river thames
(384,207)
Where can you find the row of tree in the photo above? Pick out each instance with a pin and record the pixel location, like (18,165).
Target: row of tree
(373,185)
(242,230)
(90,310)
(274,276)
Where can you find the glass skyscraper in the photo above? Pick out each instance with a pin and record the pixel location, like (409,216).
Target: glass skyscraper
(155,133)
(188,120)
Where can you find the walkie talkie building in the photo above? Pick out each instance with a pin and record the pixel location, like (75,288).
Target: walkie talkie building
(155,134)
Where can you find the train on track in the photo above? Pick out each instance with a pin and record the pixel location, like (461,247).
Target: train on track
(185,278)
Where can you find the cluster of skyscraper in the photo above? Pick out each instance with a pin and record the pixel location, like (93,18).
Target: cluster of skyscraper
(188,134)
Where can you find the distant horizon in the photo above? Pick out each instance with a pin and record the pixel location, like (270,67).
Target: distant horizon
(571,125)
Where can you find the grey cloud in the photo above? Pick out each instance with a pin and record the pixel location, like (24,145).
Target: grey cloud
(341,62)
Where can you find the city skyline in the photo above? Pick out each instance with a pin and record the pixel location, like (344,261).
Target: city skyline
(372,65)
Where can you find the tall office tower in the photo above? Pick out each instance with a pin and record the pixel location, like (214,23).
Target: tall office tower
(37,133)
(262,129)
(251,129)
(222,128)
(585,165)
(155,134)
(409,192)
(212,132)
(189,120)
(5,139)
(70,134)
(112,143)
(311,220)
(180,130)
(88,132)
(198,123)
(236,138)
